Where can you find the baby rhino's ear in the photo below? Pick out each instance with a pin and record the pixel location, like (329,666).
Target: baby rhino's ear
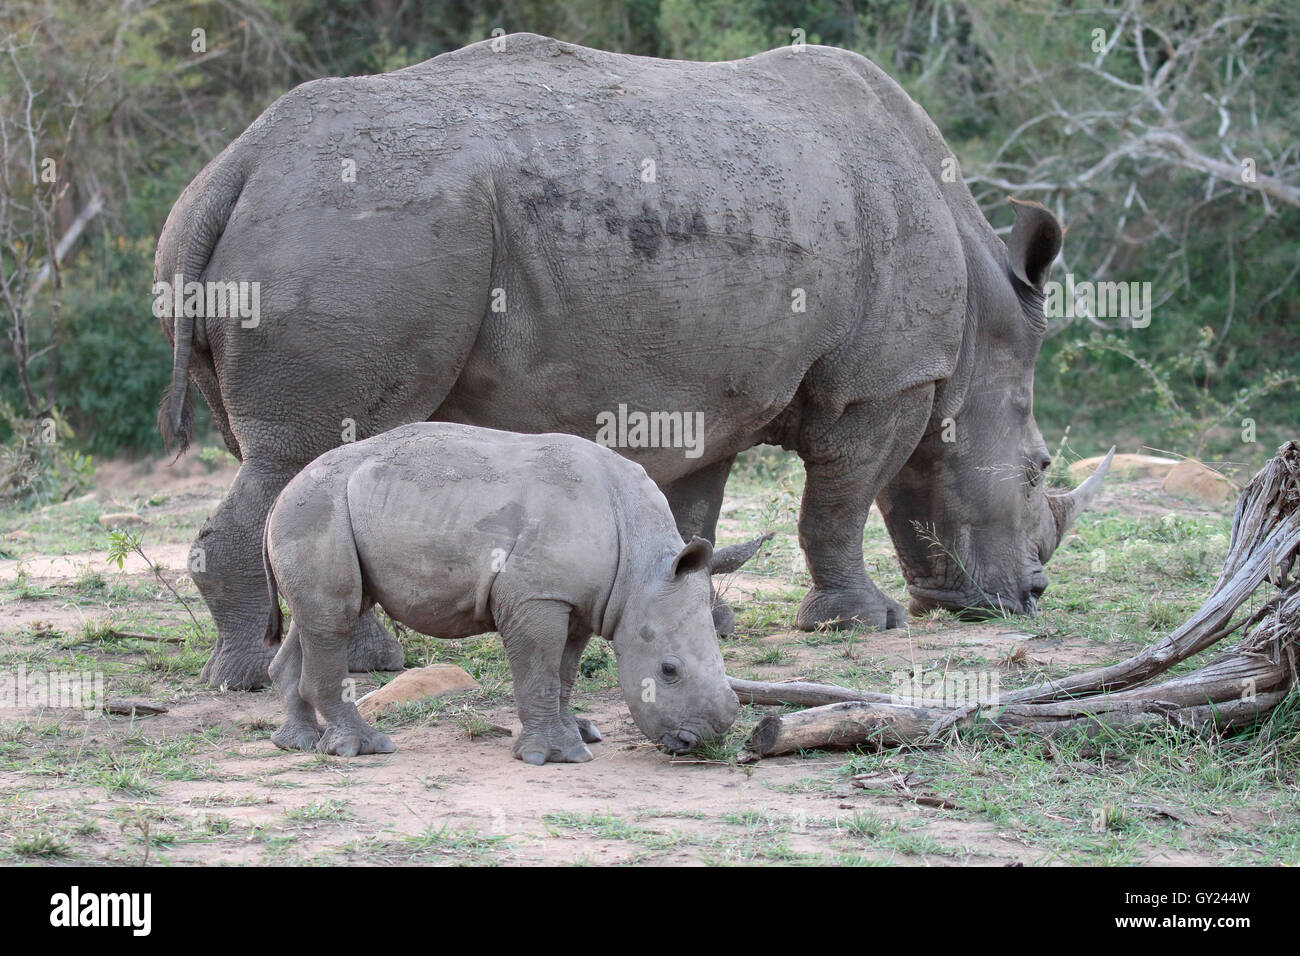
(693,557)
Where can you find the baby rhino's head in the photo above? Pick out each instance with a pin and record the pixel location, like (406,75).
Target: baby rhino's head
(669,664)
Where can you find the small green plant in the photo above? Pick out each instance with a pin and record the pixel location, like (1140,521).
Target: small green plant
(993,609)
(598,659)
(123,543)
(214,457)
(44,844)
(475,725)
(38,465)
(1058,472)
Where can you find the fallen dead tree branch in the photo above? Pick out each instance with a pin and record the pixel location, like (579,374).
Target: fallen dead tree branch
(1233,690)
(800,693)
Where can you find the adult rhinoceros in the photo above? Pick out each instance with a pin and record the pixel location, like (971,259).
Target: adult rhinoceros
(526,234)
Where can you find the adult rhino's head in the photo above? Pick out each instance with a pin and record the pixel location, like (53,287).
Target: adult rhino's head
(669,665)
(969,514)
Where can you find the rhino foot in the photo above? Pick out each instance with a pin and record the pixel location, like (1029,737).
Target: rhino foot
(350,741)
(372,647)
(540,748)
(238,666)
(724,619)
(846,609)
(296,735)
(588,731)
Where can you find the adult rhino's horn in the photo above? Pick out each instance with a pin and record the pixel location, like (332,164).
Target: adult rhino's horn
(1066,507)
(733,557)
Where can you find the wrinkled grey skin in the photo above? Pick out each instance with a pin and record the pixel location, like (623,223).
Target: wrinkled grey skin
(457,531)
(793,175)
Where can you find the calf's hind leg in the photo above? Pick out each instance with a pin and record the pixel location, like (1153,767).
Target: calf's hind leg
(324,601)
(226,565)
(301,730)
(324,670)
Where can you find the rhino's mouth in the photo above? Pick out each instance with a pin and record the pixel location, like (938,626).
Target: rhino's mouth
(976,606)
(679,741)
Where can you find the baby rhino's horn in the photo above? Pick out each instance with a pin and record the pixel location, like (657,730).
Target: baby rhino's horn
(733,557)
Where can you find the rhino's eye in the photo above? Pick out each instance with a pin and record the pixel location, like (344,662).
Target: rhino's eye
(671,669)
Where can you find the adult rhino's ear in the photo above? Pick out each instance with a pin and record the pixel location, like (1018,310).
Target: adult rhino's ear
(1034,242)
(693,557)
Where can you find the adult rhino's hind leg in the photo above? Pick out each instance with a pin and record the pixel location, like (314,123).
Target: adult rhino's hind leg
(846,467)
(226,565)
(301,730)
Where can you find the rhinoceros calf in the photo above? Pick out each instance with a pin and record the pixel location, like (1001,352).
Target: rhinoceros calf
(458,530)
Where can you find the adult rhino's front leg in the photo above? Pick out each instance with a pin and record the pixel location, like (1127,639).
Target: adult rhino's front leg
(696,503)
(227,568)
(846,467)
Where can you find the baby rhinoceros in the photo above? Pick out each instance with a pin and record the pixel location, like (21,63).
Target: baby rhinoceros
(457,531)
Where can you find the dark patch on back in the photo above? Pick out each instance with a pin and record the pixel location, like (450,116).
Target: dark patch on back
(613,222)
(551,197)
(506,520)
(553,465)
(551,192)
(646,233)
(683,228)
(740,234)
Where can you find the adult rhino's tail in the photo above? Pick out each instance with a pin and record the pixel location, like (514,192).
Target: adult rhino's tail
(184,248)
(275,620)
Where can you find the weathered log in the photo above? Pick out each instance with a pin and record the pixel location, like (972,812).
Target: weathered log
(153,638)
(856,723)
(800,693)
(133,708)
(1232,690)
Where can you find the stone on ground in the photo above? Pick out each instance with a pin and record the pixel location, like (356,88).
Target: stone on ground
(1191,479)
(418,683)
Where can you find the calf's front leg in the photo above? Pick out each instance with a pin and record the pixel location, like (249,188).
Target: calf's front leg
(536,638)
(579,636)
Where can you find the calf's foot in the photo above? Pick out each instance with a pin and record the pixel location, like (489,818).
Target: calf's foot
(297,735)
(554,744)
(351,739)
(587,730)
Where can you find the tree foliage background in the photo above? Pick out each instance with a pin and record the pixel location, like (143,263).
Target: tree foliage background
(1164,134)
